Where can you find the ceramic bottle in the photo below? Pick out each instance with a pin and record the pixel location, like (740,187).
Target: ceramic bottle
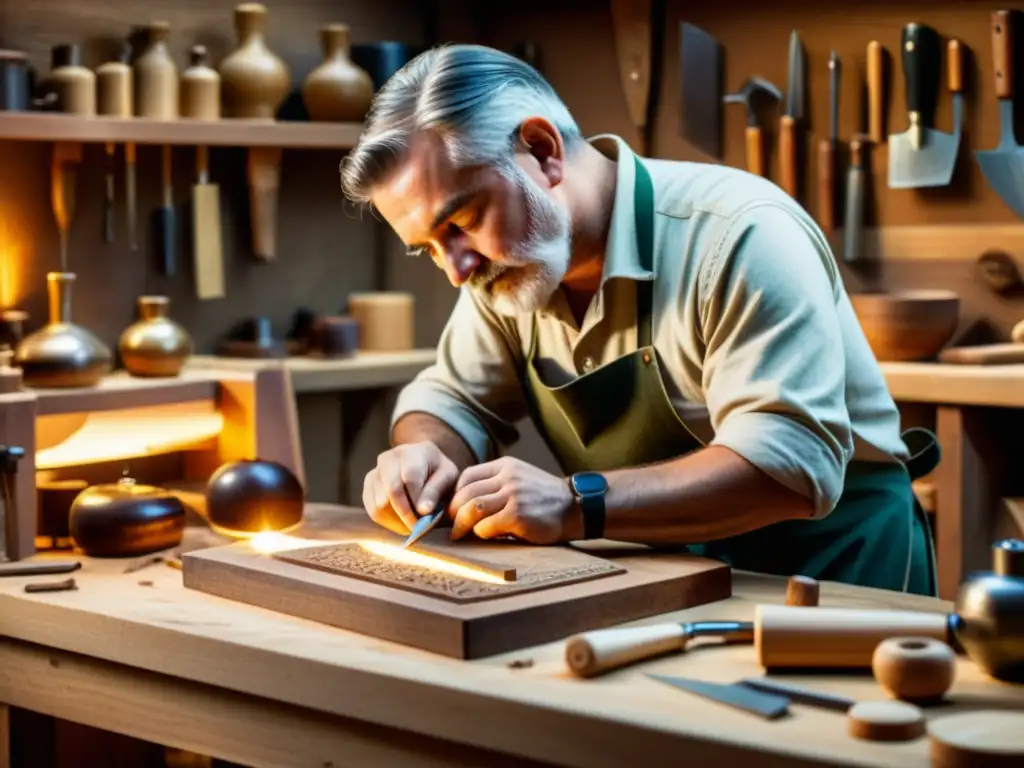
(73,85)
(254,81)
(155,345)
(62,354)
(337,90)
(156,76)
(200,87)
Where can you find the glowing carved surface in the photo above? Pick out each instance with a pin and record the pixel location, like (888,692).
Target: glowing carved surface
(537,568)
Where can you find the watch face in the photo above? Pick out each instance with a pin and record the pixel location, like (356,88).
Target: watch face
(587,483)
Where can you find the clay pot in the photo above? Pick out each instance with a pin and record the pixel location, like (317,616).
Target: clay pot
(337,90)
(254,82)
(251,496)
(155,345)
(156,76)
(124,519)
(73,85)
(200,87)
(114,86)
(62,354)
(907,325)
(990,614)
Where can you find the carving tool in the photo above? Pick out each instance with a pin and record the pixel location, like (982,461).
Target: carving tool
(108,198)
(799,694)
(827,149)
(1004,166)
(791,122)
(206,231)
(167,224)
(876,91)
(426,523)
(922,156)
(631,23)
(768,705)
(63,181)
(700,75)
(854,218)
(130,195)
(592,653)
(754,92)
(264,171)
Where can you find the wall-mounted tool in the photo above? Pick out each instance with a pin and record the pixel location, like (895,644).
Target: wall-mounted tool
(855,201)
(827,149)
(166,219)
(921,156)
(114,99)
(754,93)
(1004,165)
(631,24)
(67,156)
(264,171)
(701,66)
(792,122)
(876,92)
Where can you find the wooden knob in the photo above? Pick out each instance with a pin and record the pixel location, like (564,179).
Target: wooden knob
(802,590)
(885,721)
(918,669)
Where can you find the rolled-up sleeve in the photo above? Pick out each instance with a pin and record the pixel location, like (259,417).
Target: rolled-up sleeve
(774,369)
(474,385)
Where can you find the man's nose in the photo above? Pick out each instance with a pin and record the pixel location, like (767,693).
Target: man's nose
(460,264)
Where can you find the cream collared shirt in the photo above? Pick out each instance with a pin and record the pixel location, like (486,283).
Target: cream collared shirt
(760,349)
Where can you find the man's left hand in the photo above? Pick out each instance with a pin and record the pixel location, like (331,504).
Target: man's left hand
(508,497)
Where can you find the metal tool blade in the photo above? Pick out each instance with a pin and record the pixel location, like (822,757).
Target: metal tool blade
(799,695)
(1004,166)
(835,72)
(930,166)
(768,705)
(426,524)
(796,96)
(701,80)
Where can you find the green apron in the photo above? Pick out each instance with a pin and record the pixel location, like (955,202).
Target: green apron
(620,415)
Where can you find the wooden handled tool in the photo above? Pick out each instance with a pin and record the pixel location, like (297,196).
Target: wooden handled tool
(631,23)
(876,92)
(168,225)
(602,650)
(784,637)
(63,184)
(754,91)
(790,123)
(827,151)
(264,182)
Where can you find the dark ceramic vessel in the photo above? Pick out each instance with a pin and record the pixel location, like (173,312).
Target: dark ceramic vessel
(990,614)
(124,519)
(252,496)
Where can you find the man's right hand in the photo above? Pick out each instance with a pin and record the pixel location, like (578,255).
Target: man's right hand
(407,483)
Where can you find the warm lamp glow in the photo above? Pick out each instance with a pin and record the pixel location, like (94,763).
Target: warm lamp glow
(271,542)
(12,253)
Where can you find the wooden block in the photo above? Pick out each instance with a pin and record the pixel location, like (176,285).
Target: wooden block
(386,320)
(981,739)
(640,584)
(885,721)
(544,568)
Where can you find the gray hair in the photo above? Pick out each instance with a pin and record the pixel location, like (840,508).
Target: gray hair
(473,97)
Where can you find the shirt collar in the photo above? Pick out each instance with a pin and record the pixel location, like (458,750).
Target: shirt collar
(621,256)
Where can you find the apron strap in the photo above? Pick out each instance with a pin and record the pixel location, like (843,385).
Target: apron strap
(643,213)
(925,452)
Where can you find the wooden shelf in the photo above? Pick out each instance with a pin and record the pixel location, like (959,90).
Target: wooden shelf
(119,390)
(367,370)
(38,126)
(994,386)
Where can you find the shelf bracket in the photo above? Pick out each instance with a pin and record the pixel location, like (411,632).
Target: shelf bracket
(264,172)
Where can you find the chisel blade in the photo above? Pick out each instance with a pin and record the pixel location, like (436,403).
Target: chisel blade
(767,705)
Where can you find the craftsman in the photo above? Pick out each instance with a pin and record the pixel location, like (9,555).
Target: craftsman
(614,300)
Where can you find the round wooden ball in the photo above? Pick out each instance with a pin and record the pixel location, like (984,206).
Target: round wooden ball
(917,669)
(885,721)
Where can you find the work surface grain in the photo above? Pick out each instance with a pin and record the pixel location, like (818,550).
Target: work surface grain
(148,620)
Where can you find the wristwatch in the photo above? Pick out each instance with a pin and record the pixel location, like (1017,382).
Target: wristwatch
(588,489)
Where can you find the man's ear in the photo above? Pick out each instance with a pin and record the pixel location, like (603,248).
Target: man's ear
(544,143)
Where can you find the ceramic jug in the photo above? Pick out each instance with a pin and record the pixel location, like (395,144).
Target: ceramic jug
(254,81)
(337,90)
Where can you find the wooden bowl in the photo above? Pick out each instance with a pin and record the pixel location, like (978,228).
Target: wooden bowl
(907,325)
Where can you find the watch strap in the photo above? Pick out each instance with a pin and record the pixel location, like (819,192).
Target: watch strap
(592,507)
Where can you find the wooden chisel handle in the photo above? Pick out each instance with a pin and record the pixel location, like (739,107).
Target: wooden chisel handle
(876,100)
(827,185)
(787,155)
(755,151)
(1002,54)
(794,637)
(954,66)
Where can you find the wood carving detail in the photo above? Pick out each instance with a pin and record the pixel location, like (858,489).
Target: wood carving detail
(353,560)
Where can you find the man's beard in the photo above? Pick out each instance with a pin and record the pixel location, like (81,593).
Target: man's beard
(533,267)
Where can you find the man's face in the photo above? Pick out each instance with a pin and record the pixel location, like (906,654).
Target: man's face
(500,231)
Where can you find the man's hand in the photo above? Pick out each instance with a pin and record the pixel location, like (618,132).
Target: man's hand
(408,481)
(508,497)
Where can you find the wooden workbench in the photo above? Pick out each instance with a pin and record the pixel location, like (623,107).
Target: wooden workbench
(140,655)
(979,415)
